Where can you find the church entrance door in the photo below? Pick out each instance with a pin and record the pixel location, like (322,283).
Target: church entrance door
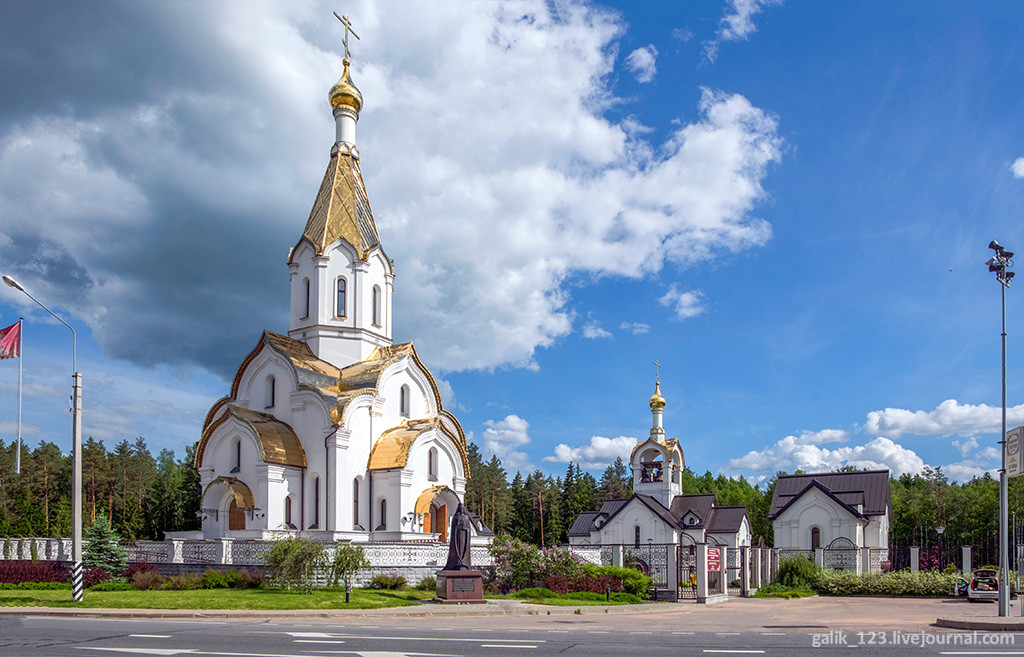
(236,517)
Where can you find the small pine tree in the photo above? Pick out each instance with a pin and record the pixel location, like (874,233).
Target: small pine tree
(102,547)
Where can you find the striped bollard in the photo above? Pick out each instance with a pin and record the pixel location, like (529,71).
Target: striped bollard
(77,580)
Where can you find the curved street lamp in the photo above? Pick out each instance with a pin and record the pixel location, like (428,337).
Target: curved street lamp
(77,566)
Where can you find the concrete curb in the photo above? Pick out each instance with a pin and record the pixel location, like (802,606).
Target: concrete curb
(986,624)
(427,610)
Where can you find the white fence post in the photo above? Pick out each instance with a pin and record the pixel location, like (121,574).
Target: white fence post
(915,559)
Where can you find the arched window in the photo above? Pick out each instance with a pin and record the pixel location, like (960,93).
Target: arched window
(432,464)
(815,538)
(376,306)
(355,503)
(271,391)
(403,401)
(340,306)
(306,303)
(288,512)
(383,514)
(636,536)
(316,503)
(238,456)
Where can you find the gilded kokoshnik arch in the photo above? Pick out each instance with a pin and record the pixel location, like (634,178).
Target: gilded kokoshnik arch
(335,431)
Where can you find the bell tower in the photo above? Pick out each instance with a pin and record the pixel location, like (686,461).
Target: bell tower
(341,279)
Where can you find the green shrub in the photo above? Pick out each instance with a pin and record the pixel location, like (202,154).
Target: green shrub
(145,580)
(387,582)
(35,586)
(900,583)
(214,579)
(584,595)
(428,583)
(293,561)
(797,571)
(184,582)
(516,564)
(33,551)
(627,598)
(534,592)
(633,581)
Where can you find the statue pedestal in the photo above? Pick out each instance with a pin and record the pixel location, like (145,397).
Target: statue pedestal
(460,587)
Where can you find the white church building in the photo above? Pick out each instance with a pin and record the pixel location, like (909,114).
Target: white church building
(658,513)
(333,431)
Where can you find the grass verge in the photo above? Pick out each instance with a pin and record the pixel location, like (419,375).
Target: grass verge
(266,599)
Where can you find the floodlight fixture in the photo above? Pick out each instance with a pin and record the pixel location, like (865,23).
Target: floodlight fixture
(13,283)
(994,245)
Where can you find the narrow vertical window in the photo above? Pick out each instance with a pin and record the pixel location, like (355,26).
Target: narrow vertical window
(403,401)
(271,391)
(636,536)
(341,308)
(288,511)
(316,503)
(238,456)
(815,538)
(432,464)
(306,302)
(383,514)
(355,503)
(376,306)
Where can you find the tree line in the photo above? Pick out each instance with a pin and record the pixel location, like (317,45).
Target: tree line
(142,495)
(145,495)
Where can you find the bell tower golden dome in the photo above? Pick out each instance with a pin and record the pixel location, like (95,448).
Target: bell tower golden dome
(344,93)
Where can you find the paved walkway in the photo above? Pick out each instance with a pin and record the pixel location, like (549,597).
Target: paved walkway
(853,614)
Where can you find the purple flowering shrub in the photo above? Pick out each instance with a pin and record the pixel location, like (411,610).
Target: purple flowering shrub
(519,565)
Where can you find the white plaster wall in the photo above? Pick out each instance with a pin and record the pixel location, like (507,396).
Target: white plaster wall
(620,530)
(815,509)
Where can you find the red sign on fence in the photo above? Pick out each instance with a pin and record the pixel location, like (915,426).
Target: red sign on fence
(714,559)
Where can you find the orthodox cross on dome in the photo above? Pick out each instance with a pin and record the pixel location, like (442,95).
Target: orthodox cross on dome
(348,28)
(657,372)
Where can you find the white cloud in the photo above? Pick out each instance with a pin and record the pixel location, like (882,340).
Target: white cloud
(1018,167)
(600,453)
(949,418)
(593,330)
(805,453)
(503,438)
(642,63)
(737,24)
(684,34)
(636,328)
(966,446)
(11,427)
(486,220)
(685,304)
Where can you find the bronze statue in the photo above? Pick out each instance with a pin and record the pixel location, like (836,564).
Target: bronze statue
(458,545)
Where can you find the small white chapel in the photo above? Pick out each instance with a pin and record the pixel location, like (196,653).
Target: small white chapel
(657,512)
(333,431)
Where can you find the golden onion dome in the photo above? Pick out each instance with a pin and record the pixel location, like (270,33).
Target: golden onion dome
(657,401)
(344,93)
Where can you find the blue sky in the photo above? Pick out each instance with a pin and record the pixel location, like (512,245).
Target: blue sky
(787,203)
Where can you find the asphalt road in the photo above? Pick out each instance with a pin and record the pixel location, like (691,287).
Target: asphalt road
(387,637)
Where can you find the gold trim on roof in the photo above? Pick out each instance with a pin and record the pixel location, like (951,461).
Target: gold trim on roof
(341,210)
(278,442)
(392,448)
(425,499)
(242,494)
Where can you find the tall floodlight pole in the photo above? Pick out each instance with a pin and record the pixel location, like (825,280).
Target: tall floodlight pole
(77,566)
(998,264)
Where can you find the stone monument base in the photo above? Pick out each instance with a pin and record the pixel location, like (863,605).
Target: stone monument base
(460,587)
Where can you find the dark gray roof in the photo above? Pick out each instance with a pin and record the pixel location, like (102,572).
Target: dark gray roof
(700,505)
(478,524)
(583,523)
(727,519)
(658,508)
(871,489)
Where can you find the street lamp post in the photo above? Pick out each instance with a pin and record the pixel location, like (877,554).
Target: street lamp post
(77,566)
(997,265)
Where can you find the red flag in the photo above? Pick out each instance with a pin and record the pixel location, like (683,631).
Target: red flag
(10,341)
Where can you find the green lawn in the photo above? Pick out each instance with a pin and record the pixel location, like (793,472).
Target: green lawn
(217,599)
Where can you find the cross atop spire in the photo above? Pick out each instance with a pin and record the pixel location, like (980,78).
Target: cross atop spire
(657,372)
(348,28)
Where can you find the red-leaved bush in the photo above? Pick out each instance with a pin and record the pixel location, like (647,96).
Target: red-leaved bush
(17,572)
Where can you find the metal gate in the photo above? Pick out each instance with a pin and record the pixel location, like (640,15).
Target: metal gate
(686,571)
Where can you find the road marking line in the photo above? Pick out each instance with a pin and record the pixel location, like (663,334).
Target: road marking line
(727,633)
(317,641)
(682,633)
(430,638)
(773,634)
(993,652)
(501,645)
(597,632)
(641,632)
(735,652)
(150,636)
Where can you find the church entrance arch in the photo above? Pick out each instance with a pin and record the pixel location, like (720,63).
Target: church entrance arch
(435,506)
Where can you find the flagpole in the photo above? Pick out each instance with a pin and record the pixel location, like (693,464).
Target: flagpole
(21,361)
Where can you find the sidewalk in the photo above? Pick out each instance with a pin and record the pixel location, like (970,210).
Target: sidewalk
(817,614)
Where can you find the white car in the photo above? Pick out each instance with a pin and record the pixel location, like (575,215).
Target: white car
(984,585)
